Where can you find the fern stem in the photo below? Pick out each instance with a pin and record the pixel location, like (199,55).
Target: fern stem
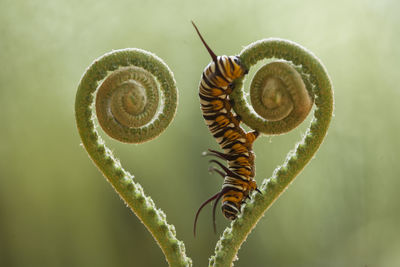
(123,182)
(233,237)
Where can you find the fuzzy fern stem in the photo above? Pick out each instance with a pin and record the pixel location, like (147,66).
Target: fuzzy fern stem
(123,182)
(310,66)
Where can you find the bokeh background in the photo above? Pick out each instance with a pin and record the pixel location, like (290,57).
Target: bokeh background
(56,209)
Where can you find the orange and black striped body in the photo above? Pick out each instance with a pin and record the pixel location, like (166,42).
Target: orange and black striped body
(214,93)
(214,90)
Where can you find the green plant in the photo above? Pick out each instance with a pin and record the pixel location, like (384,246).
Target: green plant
(295,60)
(136,65)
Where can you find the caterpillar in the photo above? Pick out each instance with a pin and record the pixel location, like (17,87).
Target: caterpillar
(214,90)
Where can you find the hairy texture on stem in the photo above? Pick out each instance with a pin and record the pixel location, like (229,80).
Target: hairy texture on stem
(135,94)
(318,83)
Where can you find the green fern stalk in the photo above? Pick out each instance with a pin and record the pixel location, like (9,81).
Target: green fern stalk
(233,237)
(123,182)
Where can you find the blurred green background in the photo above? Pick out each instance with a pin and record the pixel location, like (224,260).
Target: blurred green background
(56,209)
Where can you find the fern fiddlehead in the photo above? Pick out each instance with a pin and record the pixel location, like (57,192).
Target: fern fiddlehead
(128,108)
(285,100)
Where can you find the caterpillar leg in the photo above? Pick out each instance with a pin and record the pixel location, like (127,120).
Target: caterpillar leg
(213,169)
(217,154)
(252,136)
(238,118)
(227,106)
(231,101)
(227,171)
(229,89)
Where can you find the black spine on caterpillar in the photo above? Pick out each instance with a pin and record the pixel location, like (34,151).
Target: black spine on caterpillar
(214,91)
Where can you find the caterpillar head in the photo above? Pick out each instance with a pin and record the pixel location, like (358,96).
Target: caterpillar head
(230,67)
(230,209)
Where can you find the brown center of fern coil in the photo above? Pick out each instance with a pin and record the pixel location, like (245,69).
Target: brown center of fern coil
(278,91)
(276,99)
(129,96)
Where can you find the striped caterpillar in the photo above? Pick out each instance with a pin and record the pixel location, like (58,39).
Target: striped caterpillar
(214,90)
